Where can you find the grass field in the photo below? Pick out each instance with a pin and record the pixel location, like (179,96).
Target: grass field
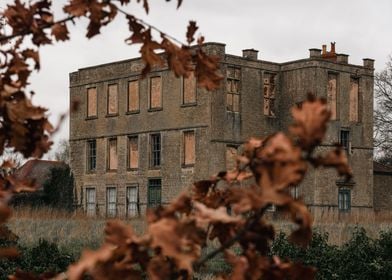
(74,231)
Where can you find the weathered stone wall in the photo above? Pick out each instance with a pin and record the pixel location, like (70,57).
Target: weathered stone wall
(214,126)
(382,191)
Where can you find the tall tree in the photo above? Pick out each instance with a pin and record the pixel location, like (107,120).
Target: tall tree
(383,113)
(62,152)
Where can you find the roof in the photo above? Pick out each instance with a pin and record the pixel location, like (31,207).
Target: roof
(381,168)
(38,170)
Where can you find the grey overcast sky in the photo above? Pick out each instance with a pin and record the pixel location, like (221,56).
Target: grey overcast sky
(281,30)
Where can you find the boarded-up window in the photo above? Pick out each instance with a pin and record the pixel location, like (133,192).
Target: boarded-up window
(133,96)
(189,89)
(90,202)
(133,152)
(332,95)
(231,157)
(112,99)
(111,201)
(132,201)
(189,148)
(155,92)
(112,154)
(92,102)
(233,76)
(269,94)
(354,95)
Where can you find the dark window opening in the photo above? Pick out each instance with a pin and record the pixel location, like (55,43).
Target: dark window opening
(154,193)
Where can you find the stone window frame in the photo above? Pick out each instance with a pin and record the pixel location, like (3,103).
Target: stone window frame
(137,111)
(129,137)
(183,163)
(359,103)
(182,87)
(108,167)
(155,163)
(337,107)
(268,97)
(294,191)
(233,93)
(90,157)
(109,203)
(94,211)
(136,203)
(347,139)
(153,109)
(344,199)
(107,100)
(150,185)
(91,117)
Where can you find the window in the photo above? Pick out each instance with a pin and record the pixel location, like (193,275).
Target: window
(354,95)
(345,139)
(231,157)
(344,199)
(91,102)
(269,94)
(133,152)
(112,154)
(91,155)
(155,93)
(155,142)
(189,89)
(90,202)
(113,99)
(332,95)
(233,76)
(111,201)
(154,193)
(189,148)
(132,201)
(133,96)
(294,191)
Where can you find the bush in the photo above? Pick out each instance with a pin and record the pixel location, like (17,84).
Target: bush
(360,258)
(44,257)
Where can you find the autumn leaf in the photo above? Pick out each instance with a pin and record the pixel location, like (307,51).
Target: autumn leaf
(310,122)
(192,28)
(60,32)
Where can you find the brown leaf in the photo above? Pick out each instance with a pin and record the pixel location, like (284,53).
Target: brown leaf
(336,158)
(175,240)
(310,122)
(205,215)
(60,32)
(192,28)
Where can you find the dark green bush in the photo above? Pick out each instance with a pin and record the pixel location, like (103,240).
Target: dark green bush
(44,257)
(360,258)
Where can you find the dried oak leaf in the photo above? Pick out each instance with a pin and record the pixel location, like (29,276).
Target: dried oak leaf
(179,59)
(192,28)
(206,70)
(310,122)
(281,163)
(239,266)
(301,216)
(205,215)
(336,158)
(160,268)
(177,241)
(60,32)
(89,260)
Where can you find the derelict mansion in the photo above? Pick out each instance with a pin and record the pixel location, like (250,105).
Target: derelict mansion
(136,143)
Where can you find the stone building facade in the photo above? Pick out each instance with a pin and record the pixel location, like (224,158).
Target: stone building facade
(136,143)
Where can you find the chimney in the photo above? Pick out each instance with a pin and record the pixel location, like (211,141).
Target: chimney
(333,47)
(314,53)
(342,58)
(368,63)
(250,54)
(324,49)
